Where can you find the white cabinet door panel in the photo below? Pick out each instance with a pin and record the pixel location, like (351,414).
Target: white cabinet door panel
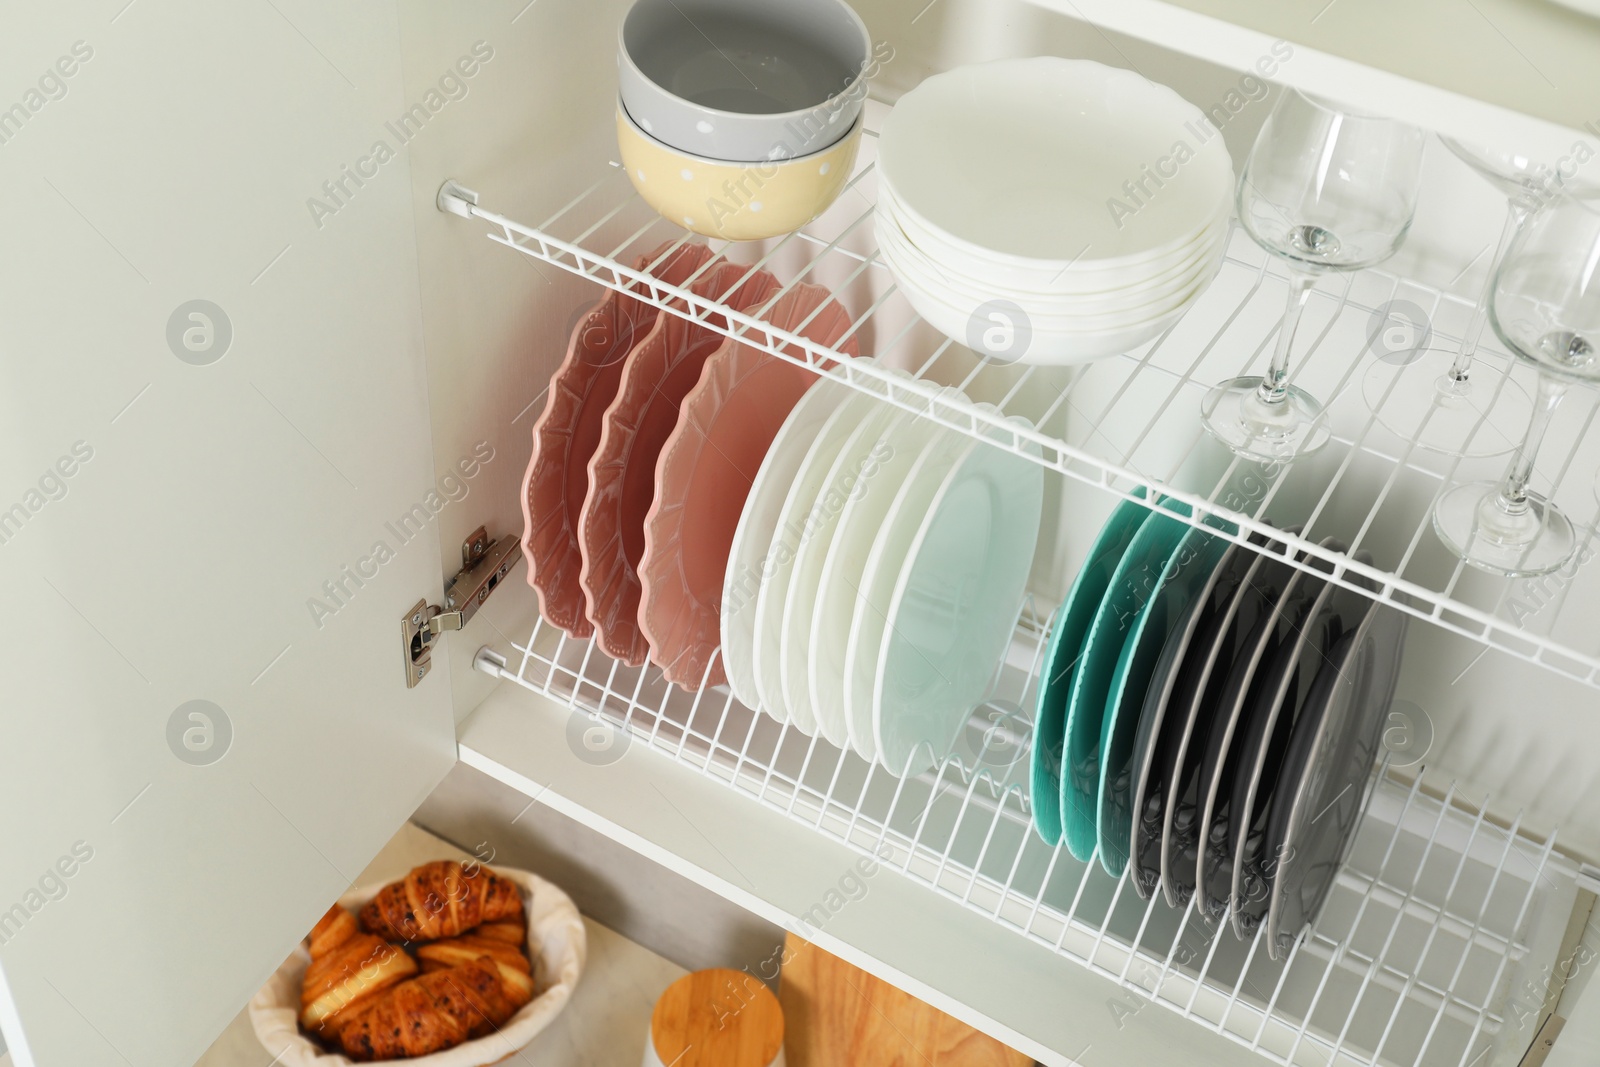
(235,510)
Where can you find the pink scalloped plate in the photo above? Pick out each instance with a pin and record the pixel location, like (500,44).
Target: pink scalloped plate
(568,430)
(657,375)
(707,467)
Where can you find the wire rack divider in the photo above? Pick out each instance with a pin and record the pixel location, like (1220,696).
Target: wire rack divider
(963,830)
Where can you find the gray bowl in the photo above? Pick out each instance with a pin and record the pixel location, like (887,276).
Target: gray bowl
(744,80)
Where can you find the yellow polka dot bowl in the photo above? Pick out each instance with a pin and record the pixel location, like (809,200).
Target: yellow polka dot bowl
(730,200)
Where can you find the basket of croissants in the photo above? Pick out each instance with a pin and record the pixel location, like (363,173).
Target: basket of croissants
(452,966)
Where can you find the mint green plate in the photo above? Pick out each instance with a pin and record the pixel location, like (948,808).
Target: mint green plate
(1061,657)
(1132,585)
(1183,577)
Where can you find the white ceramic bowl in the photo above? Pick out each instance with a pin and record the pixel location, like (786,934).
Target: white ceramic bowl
(1080,315)
(956,275)
(1043,318)
(1052,341)
(1041,313)
(1023,159)
(1045,347)
(1087,277)
(1084,264)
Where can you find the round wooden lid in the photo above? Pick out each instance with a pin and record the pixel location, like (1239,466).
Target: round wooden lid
(717,1018)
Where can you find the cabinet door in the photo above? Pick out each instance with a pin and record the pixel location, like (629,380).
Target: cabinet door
(217,497)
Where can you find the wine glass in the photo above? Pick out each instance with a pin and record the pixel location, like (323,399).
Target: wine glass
(1326,190)
(1467,416)
(1545,307)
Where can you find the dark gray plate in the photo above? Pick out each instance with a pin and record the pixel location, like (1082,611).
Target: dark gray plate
(1277,700)
(1156,745)
(1190,568)
(1242,699)
(1332,752)
(1192,708)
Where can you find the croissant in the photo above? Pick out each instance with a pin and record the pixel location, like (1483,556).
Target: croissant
(431,1012)
(438,900)
(513,932)
(515,971)
(346,972)
(332,930)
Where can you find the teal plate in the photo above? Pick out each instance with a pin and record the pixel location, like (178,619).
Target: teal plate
(1184,575)
(1131,586)
(1061,657)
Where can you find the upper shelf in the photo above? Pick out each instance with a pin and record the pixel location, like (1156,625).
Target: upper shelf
(1133,420)
(1510,73)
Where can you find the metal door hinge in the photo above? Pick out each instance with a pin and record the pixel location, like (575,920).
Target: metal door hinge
(1543,1042)
(483,564)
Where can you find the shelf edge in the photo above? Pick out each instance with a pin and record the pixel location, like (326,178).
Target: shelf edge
(1216,40)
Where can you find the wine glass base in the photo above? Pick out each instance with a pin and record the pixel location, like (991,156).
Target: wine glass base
(1234,414)
(1418,401)
(1536,542)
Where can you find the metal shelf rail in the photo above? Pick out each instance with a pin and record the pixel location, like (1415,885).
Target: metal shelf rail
(1371,489)
(1434,931)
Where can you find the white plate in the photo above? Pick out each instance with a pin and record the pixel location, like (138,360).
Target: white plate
(1021,157)
(1086,278)
(749,557)
(954,605)
(881,570)
(860,523)
(843,480)
(786,542)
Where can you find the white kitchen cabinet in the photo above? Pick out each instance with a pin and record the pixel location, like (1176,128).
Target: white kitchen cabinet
(241,508)
(177,514)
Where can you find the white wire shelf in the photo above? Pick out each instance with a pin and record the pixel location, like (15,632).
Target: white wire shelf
(1133,420)
(1433,936)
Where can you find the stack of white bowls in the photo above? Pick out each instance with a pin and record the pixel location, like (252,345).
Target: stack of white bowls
(1049,210)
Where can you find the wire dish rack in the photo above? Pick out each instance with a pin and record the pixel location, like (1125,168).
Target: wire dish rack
(1437,939)
(1434,947)
(1131,421)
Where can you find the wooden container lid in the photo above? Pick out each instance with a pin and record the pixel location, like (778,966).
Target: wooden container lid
(717,1018)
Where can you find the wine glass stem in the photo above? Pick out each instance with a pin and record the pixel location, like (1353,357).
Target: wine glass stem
(1516,214)
(1512,499)
(1274,386)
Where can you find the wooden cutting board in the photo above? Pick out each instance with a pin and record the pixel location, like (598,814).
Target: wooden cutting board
(836,1015)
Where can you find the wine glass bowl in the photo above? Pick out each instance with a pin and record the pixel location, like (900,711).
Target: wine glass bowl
(1324,190)
(1335,233)
(1327,189)
(1545,307)
(1467,416)
(1570,351)
(1519,178)
(1546,314)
